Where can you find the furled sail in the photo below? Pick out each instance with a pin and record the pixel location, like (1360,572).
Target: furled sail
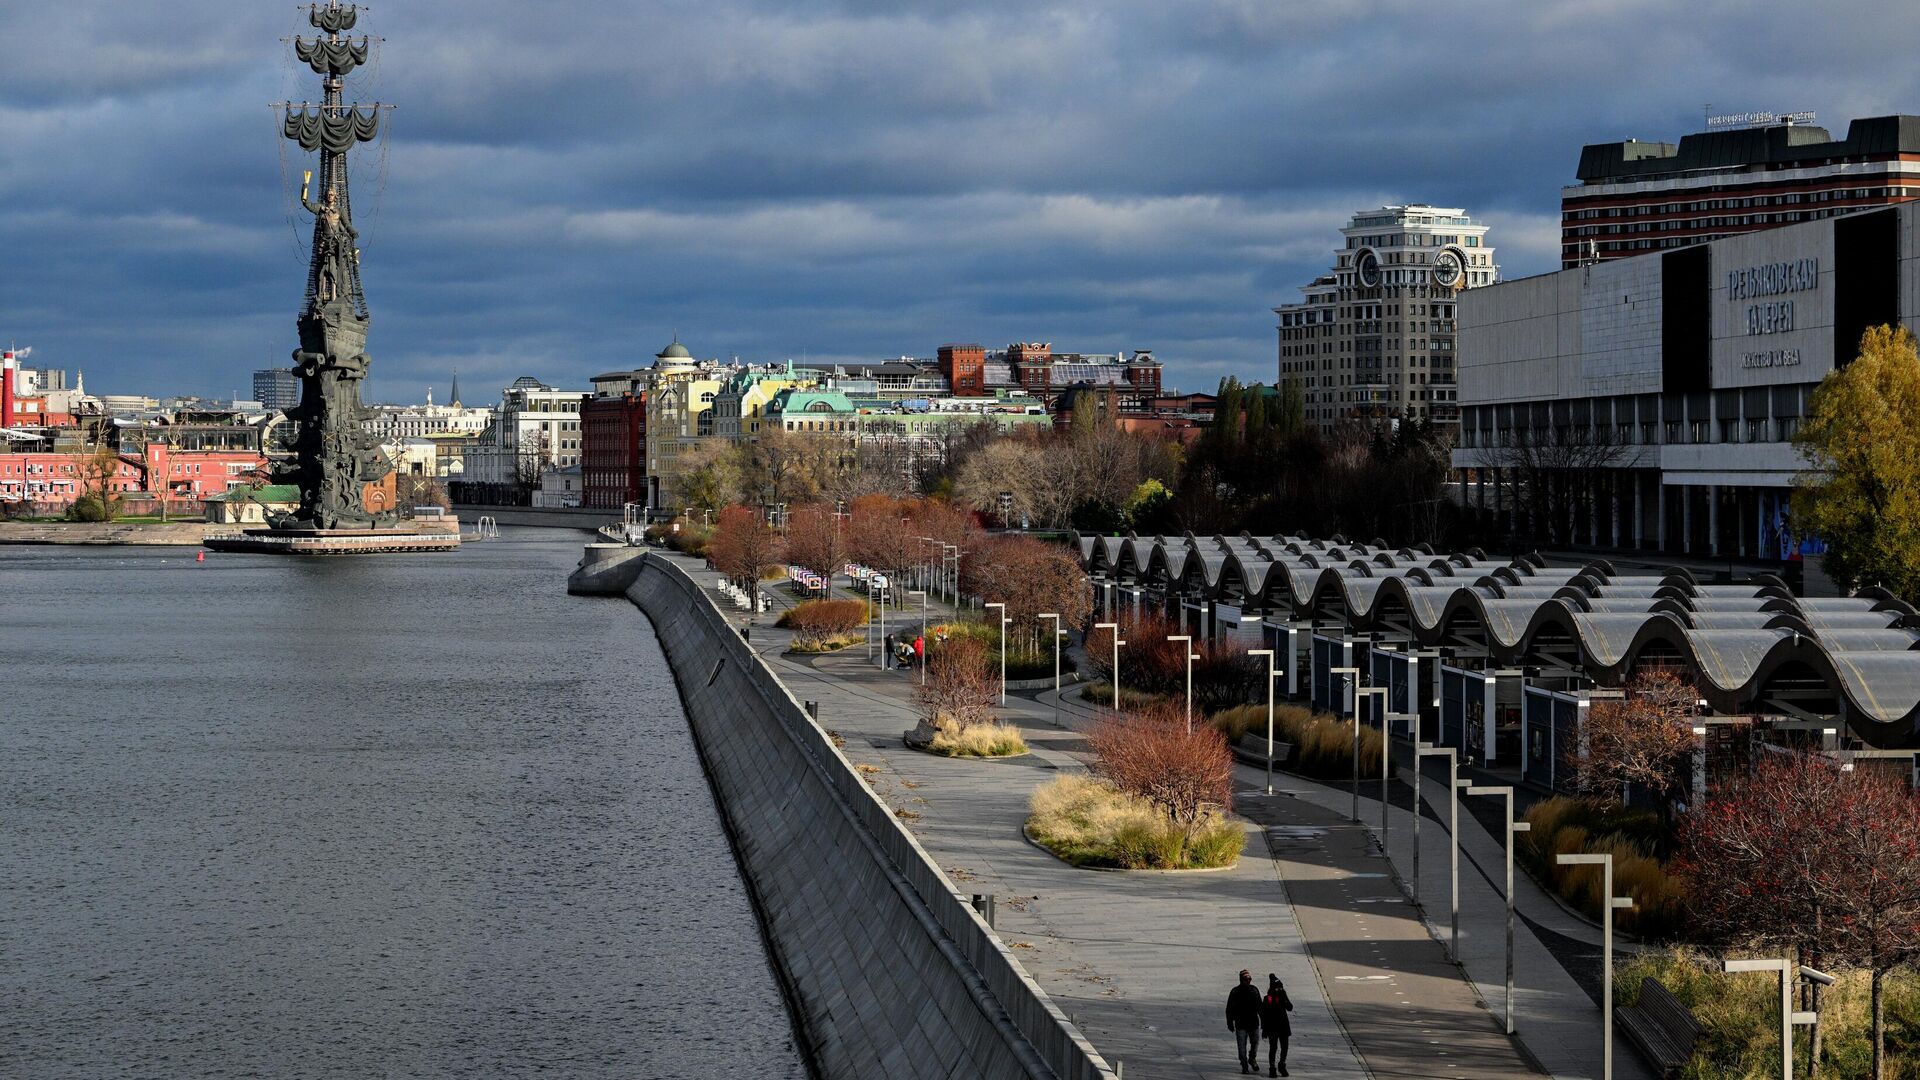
(334,131)
(337,20)
(331,57)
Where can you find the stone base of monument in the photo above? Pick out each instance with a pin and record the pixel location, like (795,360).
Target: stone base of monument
(333,541)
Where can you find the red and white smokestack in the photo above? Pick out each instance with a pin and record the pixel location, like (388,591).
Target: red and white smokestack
(9,371)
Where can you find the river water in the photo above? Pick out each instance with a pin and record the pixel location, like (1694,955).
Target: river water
(381,816)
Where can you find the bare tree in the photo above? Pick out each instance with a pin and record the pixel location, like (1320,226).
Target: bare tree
(962,686)
(1641,739)
(743,548)
(817,541)
(1544,471)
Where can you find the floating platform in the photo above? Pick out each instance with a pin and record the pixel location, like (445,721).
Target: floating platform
(333,541)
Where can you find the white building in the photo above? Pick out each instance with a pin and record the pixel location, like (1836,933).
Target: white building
(1374,339)
(534,429)
(391,422)
(1671,384)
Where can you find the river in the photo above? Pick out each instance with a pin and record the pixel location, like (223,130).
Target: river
(401,816)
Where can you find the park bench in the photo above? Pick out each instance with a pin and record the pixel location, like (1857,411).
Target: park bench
(1660,1028)
(1252,749)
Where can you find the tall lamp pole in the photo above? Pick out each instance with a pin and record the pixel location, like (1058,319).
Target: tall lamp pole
(1355,673)
(1605,863)
(1186,646)
(1114,628)
(1003,649)
(1453,828)
(1379,696)
(1788,1017)
(1505,791)
(1055,616)
(1272,674)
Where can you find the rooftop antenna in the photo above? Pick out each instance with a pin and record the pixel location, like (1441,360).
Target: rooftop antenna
(1706,112)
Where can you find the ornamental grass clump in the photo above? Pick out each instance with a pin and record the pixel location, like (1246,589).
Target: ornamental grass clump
(1637,839)
(984,740)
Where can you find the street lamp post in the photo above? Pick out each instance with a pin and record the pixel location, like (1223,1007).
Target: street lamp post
(1055,616)
(881,636)
(1272,674)
(1379,694)
(922,650)
(1788,1017)
(1003,648)
(1355,673)
(1453,828)
(1115,629)
(1605,863)
(1506,791)
(1186,646)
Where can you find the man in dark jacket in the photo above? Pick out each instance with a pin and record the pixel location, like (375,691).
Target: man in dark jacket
(1274,1022)
(1243,1019)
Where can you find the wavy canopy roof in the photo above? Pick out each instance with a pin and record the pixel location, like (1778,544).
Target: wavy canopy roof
(1745,644)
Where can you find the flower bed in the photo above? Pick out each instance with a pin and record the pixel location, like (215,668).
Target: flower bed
(1088,822)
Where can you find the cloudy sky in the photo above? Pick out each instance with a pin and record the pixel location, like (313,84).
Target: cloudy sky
(568,183)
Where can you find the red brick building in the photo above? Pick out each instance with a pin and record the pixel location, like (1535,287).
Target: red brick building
(51,482)
(613,441)
(965,368)
(1634,197)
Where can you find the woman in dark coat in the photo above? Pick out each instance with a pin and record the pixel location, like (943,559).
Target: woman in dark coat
(1275,1025)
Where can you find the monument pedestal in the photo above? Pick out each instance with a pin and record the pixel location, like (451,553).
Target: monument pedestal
(333,541)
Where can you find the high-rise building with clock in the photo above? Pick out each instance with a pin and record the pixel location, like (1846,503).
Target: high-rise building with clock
(1374,339)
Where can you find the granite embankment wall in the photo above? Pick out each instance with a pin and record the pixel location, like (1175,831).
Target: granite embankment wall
(892,973)
(177,534)
(537,517)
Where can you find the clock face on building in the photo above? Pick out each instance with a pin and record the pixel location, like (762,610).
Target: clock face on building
(1448,268)
(1368,266)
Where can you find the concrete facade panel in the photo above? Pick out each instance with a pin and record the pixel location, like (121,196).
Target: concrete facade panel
(1751,347)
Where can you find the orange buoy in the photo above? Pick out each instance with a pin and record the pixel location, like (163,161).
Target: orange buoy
(202,557)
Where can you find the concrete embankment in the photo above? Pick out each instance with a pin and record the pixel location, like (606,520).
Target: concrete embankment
(183,533)
(892,973)
(586,520)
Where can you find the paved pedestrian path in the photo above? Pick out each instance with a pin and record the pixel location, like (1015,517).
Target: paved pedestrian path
(1556,1018)
(1142,961)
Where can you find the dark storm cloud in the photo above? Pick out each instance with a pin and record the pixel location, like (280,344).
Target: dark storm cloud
(567,183)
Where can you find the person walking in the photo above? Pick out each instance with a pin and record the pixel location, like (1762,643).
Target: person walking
(1243,1019)
(1276,1025)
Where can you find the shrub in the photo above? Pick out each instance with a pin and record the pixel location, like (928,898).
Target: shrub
(818,620)
(688,539)
(1089,822)
(1024,659)
(982,740)
(1224,675)
(91,508)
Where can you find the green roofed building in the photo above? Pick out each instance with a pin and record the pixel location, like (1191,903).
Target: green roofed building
(251,505)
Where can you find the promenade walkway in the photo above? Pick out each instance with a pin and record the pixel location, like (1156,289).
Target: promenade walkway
(1142,961)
